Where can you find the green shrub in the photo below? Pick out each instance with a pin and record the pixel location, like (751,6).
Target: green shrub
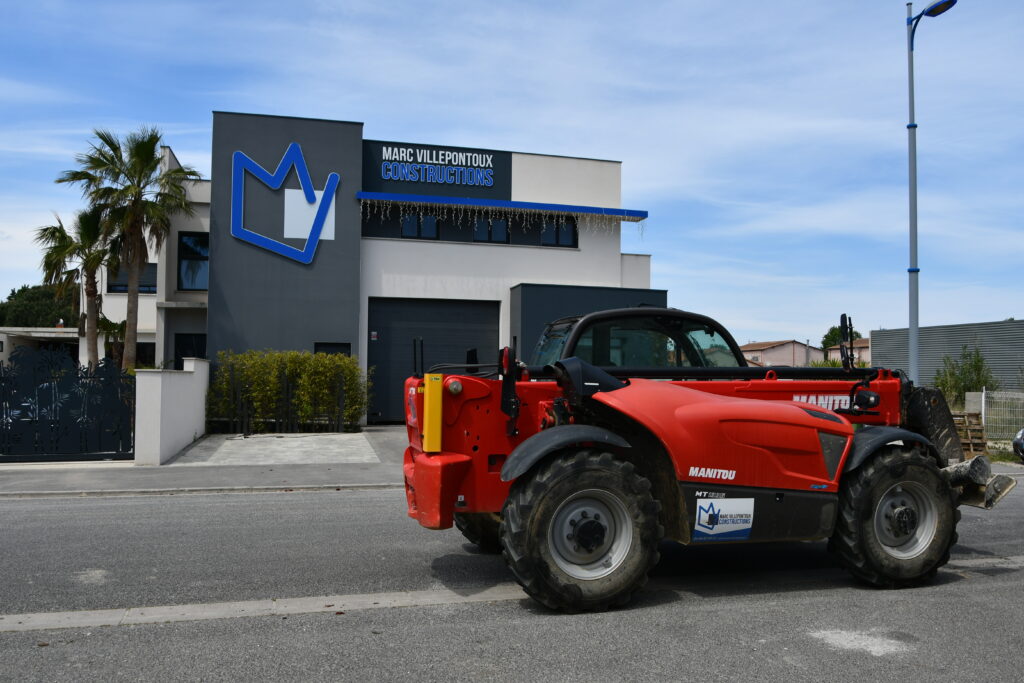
(968,373)
(288,390)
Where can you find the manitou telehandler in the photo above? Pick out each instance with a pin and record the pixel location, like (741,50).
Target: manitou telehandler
(633,426)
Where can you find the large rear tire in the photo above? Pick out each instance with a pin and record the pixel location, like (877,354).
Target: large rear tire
(581,532)
(897,520)
(480,529)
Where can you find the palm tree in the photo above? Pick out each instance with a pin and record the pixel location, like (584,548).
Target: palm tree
(126,178)
(71,259)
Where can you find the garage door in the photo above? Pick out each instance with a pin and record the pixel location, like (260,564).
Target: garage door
(448,328)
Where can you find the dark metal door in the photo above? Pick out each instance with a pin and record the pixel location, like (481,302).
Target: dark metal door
(448,329)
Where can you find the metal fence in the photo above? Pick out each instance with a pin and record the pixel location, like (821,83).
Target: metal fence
(1002,412)
(241,417)
(53,409)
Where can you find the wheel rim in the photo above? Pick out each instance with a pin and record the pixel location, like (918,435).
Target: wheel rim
(906,519)
(590,534)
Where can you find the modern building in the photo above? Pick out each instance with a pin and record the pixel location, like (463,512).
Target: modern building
(787,352)
(1001,343)
(310,237)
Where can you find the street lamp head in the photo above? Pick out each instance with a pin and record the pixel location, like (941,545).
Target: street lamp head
(937,8)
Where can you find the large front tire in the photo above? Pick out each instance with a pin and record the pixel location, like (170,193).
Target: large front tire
(897,520)
(581,532)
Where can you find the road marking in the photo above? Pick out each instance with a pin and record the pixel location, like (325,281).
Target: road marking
(92,577)
(1012,562)
(863,641)
(282,488)
(45,621)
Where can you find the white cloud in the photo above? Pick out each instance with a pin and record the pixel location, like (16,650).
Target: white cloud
(767,140)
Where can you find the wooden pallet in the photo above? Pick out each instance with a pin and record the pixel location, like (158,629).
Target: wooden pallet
(972,434)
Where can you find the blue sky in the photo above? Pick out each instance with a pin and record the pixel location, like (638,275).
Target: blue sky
(767,140)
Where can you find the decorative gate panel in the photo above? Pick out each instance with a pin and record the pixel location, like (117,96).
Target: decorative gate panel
(53,409)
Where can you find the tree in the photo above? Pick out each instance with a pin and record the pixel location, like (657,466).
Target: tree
(126,180)
(37,306)
(833,337)
(968,373)
(71,259)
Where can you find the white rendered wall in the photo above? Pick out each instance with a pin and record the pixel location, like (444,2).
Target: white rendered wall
(170,410)
(563,180)
(423,269)
(636,271)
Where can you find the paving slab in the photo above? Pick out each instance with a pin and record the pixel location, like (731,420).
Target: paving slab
(276,449)
(228,463)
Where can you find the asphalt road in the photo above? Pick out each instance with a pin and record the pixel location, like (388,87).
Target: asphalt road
(765,612)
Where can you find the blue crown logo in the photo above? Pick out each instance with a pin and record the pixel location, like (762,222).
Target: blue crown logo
(708,517)
(240,163)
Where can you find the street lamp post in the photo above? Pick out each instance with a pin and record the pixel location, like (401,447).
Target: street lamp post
(933,10)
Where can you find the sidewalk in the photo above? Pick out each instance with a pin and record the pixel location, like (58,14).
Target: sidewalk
(223,463)
(229,463)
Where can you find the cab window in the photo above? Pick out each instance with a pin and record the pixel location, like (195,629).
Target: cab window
(654,342)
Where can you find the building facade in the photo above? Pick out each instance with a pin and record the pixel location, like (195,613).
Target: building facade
(1001,343)
(309,237)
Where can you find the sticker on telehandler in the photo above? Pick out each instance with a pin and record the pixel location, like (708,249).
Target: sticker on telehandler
(724,519)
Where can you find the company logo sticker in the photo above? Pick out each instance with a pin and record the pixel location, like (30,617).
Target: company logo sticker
(726,519)
(302,208)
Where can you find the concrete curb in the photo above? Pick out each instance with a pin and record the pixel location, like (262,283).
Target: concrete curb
(198,490)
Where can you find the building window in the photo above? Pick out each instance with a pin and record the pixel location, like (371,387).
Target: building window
(419,227)
(193,261)
(493,230)
(559,233)
(188,346)
(145,354)
(333,347)
(147,280)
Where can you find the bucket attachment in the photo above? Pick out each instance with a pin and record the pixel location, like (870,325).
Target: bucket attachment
(978,486)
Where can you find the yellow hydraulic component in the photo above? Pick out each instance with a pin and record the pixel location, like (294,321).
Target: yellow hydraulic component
(433,388)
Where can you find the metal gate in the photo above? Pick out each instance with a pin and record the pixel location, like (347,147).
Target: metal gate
(53,409)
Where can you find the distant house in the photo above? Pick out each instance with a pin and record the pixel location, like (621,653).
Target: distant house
(861,351)
(787,352)
(54,338)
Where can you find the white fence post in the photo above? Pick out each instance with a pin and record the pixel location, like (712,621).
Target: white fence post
(983,406)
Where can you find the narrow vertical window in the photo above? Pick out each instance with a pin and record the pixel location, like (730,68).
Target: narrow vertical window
(193,261)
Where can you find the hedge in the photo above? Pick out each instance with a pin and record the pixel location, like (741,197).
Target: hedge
(286,391)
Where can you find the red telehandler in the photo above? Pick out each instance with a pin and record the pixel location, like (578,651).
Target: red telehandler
(633,426)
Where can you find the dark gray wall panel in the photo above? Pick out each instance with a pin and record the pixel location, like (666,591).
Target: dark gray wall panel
(534,306)
(448,329)
(259,299)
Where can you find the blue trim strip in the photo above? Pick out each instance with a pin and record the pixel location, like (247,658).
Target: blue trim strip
(623,214)
(911,125)
(913,270)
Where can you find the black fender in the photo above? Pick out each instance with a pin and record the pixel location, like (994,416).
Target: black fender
(529,452)
(867,440)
